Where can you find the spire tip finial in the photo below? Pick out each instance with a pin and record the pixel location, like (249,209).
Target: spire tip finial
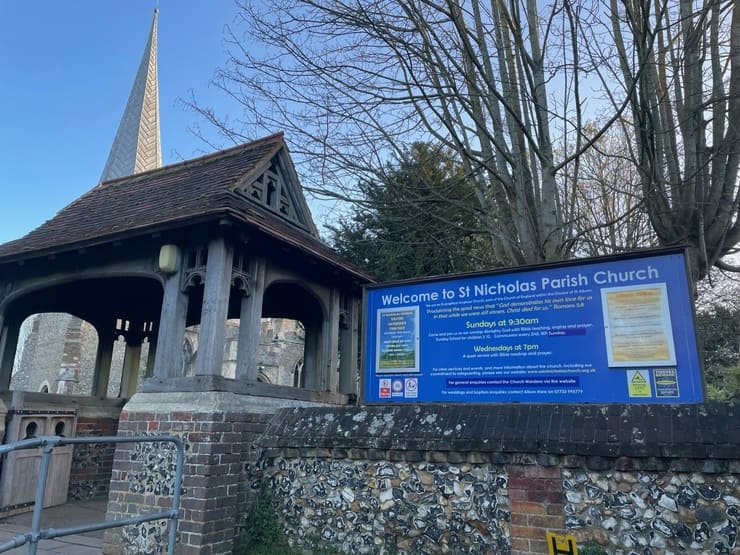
(136,146)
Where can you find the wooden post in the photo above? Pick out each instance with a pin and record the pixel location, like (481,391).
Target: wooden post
(215,309)
(348,340)
(329,378)
(250,322)
(9,330)
(171,333)
(103,359)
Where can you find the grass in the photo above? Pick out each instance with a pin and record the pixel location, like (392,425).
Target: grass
(591,548)
(264,534)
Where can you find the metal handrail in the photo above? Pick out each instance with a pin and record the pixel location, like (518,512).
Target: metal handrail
(48,443)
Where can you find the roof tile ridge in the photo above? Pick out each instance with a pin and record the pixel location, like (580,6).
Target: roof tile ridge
(194,162)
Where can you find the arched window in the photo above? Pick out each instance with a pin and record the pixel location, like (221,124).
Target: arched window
(291,334)
(298,373)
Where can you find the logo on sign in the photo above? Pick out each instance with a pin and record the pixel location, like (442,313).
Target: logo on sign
(385,388)
(666,382)
(412,387)
(397,388)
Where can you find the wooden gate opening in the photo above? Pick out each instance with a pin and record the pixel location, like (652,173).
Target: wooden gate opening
(19,473)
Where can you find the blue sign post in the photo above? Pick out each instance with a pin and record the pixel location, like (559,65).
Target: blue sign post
(605,330)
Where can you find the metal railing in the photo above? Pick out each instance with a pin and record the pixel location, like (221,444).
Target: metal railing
(48,443)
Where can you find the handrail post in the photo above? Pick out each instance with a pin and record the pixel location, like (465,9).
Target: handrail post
(40,494)
(180,446)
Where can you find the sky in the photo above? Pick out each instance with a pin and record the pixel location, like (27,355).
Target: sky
(66,70)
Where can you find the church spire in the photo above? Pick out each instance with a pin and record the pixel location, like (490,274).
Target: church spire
(137,146)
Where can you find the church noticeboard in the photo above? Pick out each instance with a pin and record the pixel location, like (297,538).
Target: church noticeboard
(603,330)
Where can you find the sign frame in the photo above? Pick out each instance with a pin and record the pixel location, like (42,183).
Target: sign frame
(655,305)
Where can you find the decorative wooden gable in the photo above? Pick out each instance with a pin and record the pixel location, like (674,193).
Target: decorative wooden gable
(276,188)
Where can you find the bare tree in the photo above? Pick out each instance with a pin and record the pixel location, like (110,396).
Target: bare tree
(609,213)
(682,60)
(501,84)
(508,86)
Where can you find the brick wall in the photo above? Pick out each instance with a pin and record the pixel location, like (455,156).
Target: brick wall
(215,488)
(536,502)
(92,463)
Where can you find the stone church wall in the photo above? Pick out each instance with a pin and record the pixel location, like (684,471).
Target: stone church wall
(56,351)
(280,351)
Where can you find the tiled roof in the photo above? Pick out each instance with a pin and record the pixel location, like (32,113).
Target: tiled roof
(171,196)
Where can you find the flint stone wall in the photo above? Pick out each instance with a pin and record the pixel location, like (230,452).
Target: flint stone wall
(638,479)
(371,506)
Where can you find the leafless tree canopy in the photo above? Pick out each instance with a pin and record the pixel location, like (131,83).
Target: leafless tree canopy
(682,59)
(509,86)
(610,216)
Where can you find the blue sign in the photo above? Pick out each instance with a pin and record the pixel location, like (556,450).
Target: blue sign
(608,330)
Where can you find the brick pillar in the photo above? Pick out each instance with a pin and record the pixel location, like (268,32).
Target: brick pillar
(92,463)
(217,444)
(536,498)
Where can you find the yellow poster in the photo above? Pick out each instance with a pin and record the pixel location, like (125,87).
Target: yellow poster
(638,383)
(638,326)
